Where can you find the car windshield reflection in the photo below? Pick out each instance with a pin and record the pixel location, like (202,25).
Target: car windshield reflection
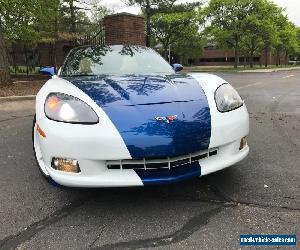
(111,60)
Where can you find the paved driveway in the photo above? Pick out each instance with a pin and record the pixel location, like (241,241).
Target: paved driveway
(259,195)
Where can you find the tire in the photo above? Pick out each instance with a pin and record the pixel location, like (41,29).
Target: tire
(44,174)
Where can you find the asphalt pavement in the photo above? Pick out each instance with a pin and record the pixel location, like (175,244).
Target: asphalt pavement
(260,195)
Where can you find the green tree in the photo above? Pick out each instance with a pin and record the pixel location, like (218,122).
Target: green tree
(251,40)
(297,53)
(18,21)
(48,18)
(243,25)
(281,22)
(270,13)
(97,13)
(149,8)
(189,47)
(251,45)
(31,21)
(227,22)
(287,40)
(269,38)
(179,30)
(152,7)
(73,16)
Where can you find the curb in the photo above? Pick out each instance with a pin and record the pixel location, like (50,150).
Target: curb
(242,71)
(269,70)
(17,98)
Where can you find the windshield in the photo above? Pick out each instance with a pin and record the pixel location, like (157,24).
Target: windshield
(118,59)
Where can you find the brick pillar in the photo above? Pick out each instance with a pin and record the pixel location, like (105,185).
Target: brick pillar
(124,28)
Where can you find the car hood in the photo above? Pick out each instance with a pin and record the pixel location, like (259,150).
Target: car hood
(133,104)
(138,90)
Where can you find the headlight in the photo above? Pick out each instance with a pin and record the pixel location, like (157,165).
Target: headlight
(227,98)
(65,108)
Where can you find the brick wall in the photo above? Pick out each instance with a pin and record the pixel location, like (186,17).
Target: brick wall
(41,54)
(124,28)
(218,57)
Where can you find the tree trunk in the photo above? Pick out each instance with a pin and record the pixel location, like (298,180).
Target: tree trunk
(166,53)
(181,60)
(252,51)
(251,59)
(236,56)
(277,57)
(266,57)
(148,24)
(236,53)
(286,57)
(26,58)
(72,14)
(4,64)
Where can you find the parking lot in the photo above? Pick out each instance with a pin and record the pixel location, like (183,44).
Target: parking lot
(260,195)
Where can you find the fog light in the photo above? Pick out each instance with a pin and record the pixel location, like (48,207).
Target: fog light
(65,165)
(243,143)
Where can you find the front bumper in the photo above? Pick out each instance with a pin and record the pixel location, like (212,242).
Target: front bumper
(94,172)
(99,176)
(92,146)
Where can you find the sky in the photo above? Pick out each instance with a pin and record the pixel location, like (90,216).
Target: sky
(292,8)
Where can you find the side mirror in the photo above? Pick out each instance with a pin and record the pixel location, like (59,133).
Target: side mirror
(50,71)
(59,71)
(177,67)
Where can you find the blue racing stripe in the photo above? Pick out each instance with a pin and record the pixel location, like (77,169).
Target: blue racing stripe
(166,176)
(133,102)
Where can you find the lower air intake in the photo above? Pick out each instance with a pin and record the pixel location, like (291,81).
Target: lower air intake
(165,163)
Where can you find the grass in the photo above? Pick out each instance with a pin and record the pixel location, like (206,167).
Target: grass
(231,68)
(22,70)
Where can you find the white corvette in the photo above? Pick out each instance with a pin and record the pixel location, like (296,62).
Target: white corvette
(122,116)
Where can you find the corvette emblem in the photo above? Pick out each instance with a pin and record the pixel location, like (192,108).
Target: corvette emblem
(167,119)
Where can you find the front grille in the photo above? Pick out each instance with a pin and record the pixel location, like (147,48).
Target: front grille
(164,163)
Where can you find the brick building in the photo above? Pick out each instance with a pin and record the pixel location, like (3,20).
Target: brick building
(213,56)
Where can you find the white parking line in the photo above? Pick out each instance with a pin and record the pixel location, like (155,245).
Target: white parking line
(21,81)
(288,76)
(259,83)
(250,85)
